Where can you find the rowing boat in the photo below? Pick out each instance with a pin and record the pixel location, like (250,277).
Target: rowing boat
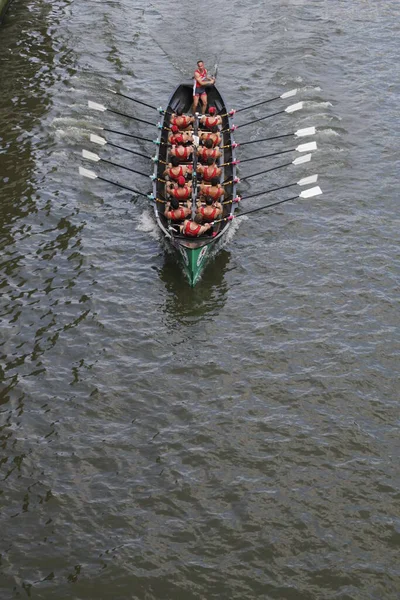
(194,253)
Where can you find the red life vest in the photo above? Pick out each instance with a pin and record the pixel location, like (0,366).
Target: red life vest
(203,75)
(191,232)
(209,216)
(206,173)
(174,217)
(187,191)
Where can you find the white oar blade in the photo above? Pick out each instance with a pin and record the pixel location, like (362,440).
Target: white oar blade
(315,191)
(86,173)
(302,159)
(306,131)
(308,180)
(90,156)
(110,90)
(96,106)
(97,139)
(294,107)
(289,94)
(307,147)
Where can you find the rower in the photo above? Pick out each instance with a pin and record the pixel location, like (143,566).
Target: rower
(204,152)
(213,135)
(179,137)
(178,213)
(212,120)
(210,170)
(211,210)
(183,153)
(194,228)
(213,189)
(175,170)
(181,190)
(180,120)
(202,80)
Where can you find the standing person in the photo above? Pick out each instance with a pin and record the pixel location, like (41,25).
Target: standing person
(202,80)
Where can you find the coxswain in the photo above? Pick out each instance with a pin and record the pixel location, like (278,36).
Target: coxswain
(175,170)
(177,137)
(181,190)
(210,170)
(194,228)
(212,120)
(183,153)
(211,210)
(175,212)
(213,189)
(202,80)
(213,135)
(204,152)
(180,120)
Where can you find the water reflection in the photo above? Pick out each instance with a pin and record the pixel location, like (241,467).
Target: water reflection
(185,303)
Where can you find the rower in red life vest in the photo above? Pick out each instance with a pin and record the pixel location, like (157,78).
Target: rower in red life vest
(211,210)
(194,228)
(215,190)
(183,153)
(212,120)
(213,135)
(175,170)
(180,120)
(177,137)
(202,81)
(210,170)
(204,152)
(178,213)
(181,190)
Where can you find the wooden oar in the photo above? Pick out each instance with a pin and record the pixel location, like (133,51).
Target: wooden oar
(96,158)
(302,148)
(301,183)
(297,161)
(315,191)
(285,95)
(102,108)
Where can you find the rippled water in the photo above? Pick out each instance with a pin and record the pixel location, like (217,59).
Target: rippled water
(236,440)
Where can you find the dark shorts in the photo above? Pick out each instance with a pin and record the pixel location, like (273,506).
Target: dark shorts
(199,91)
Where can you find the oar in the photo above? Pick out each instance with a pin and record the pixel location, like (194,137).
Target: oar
(290,109)
(315,191)
(92,175)
(96,139)
(301,183)
(302,148)
(102,108)
(136,137)
(285,95)
(160,110)
(96,158)
(299,133)
(297,161)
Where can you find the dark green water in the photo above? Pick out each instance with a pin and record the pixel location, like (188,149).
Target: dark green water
(237,440)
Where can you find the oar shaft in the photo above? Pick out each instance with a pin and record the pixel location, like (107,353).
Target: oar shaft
(282,187)
(261,118)
(267,171)
(128,150)
(275,137)
(248,212)
(134,99)
(124,187)
(258,104)
(123,167)
(267,155)
(116,112)
(136,137)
